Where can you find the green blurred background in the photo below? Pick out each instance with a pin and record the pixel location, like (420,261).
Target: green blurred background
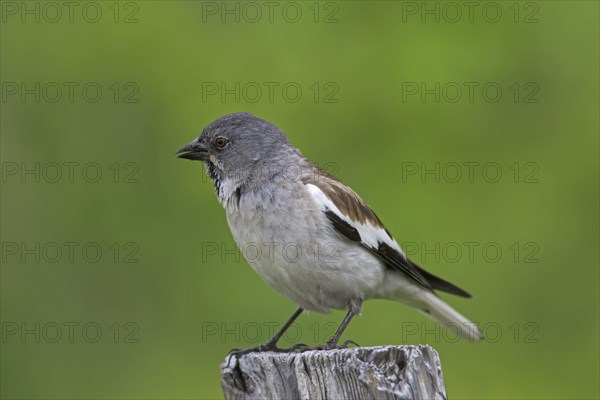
(169,316)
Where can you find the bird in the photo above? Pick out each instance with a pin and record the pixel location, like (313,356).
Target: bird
(314,239)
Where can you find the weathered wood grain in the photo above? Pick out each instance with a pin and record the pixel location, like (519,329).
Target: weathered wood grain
(386,372)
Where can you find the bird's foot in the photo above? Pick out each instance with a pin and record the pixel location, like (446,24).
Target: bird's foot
(269,346)
(347,344)
(300,348)
(332,345)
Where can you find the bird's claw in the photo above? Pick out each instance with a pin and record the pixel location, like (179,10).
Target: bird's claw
(347,344)
(332,346)
(270,346)
(300,348)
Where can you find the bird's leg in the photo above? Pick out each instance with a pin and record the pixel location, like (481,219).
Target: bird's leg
(332,343)
(354,307)
(271,345)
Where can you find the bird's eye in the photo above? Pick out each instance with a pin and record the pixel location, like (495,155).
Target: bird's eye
(221,142)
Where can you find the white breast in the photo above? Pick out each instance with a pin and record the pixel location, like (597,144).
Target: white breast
(290,244)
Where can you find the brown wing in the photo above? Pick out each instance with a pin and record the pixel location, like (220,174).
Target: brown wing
(354,208)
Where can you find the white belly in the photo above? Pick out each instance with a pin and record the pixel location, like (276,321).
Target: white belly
(304,261)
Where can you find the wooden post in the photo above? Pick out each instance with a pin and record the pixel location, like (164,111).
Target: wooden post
(384,372)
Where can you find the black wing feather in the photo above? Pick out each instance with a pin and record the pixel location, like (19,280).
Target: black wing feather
(390,256)
(440,284)
(393,258)
(396,260)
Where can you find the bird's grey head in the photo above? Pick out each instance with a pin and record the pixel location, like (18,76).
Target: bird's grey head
(242,148)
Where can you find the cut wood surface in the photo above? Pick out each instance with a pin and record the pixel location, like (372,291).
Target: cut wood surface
(385,372)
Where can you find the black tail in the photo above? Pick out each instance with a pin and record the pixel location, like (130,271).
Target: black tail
(438,283)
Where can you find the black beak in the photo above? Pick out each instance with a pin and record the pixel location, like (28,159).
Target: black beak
(193,151)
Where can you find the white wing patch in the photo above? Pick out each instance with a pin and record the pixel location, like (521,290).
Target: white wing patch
(370,235)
